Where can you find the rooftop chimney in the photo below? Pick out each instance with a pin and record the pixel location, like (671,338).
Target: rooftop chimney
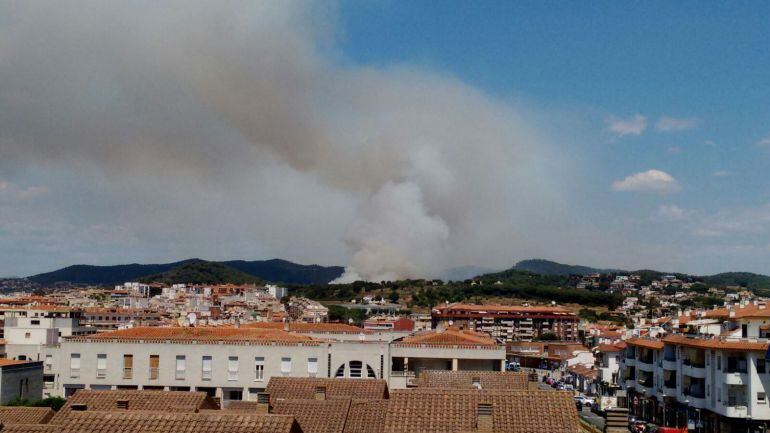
(263,402)
(320,393)
(122,404)
(484,422)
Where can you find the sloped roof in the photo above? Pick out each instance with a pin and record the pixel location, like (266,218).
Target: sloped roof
(25,415)
(366,416)
(198,334)
(332,328)
(164,422)
(451,336)
(464,379)
(644,342)
(316,416)
(305,388)
(452,410)
(617,347)
(716,343)
(138,400)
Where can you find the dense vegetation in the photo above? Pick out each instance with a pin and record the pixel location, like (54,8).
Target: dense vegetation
(54,403)
(202,273)
(276,270)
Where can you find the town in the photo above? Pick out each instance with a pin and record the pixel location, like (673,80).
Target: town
(672,355)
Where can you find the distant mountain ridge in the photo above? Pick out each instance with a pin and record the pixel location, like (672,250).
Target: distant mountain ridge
(548,267)
(274,270)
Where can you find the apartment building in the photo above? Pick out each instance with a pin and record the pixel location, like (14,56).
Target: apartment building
(235,363)
(307,310)
(114,318)
(510,323)
(708,383)
(27,330)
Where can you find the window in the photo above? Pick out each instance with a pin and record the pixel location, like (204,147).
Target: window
(286,365)
(35,322)
(761,397)
(312,367)
(355,368)
(719,362)
(154,366)
(128,366)
(232,368)
(75,365)
(181,366)
(27,335)
(206,368)
(259,368)
(101,365)
(761,368)
(48,362)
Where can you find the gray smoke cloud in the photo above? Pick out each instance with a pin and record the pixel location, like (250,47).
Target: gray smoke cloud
(203,94)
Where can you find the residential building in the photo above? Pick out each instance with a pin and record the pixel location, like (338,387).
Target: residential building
(306,310)
(20,380)
(27,330)
(510,323)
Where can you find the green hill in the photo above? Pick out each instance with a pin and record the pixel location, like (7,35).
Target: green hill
(202,272)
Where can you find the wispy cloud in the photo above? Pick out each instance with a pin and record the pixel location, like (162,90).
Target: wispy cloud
(674,149)
(655,181)
(632,126)
(671,212)
(721,173)
(12,191)
(765,142)
(673,124)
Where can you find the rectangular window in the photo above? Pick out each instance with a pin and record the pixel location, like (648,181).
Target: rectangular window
(154,366)
(286,365)
(232,368)
(206,368)
(101,365)
(181,366)
(312,367)
(75,365)
(761,368)
(259,368)
(36,322)
(27,335)
(128,366)
(48,362)
(761,397)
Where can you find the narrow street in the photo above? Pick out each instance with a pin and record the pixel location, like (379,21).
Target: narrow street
(585,412)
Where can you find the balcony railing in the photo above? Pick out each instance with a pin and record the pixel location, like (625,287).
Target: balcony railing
(669,384)
(153,374)
(694,393)
(128,373)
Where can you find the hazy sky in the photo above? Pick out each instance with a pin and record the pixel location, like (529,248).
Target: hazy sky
(398,138)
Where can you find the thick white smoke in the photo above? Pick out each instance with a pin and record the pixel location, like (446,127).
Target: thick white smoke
(444,175)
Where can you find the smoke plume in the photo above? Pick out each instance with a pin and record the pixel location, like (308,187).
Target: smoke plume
(203,93)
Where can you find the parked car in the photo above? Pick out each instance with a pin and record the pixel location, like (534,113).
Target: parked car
(584,401)
(568,387)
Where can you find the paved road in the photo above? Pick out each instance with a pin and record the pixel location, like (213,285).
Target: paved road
(585,413)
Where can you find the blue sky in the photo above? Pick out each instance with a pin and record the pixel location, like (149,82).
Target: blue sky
(645,130)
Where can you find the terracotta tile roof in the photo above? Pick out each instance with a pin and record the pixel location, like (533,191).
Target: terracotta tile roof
(366,416)
(226,334)
(305,388)
(334,328)
(464,379)
(25,415)
(138,400)
(243,405)
(716,343)
(505,308)
(316,416)
(4,362)
(31,428)
(424,410)
(163,422)
(617,347)
(451,337)
(644,342)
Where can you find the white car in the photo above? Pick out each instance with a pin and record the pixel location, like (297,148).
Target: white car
(585,401)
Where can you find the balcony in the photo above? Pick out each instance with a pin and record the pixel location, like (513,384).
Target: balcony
(630,383)
(738,411)
(736,378)
(697,371)
(669,388)
(643,366)
(630,362)
(669,364)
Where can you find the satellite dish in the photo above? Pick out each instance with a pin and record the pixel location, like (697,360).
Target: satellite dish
(191,318)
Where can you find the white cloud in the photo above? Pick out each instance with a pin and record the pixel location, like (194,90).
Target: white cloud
(765,142)
(671,212)
(672,124)
(721,173)
(648,181)
(674,149)
(631,126)
(12,191)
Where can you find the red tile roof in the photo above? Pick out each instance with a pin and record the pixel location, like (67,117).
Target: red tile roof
(465,379)
(644,342)
(335,328)
(316,416)
(305,388)
(212,334)
(716,343)
(24,415)
(451,337)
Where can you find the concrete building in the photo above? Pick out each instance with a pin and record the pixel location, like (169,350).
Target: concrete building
(27,330)
(707,383)
(20,380)
(510,323)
